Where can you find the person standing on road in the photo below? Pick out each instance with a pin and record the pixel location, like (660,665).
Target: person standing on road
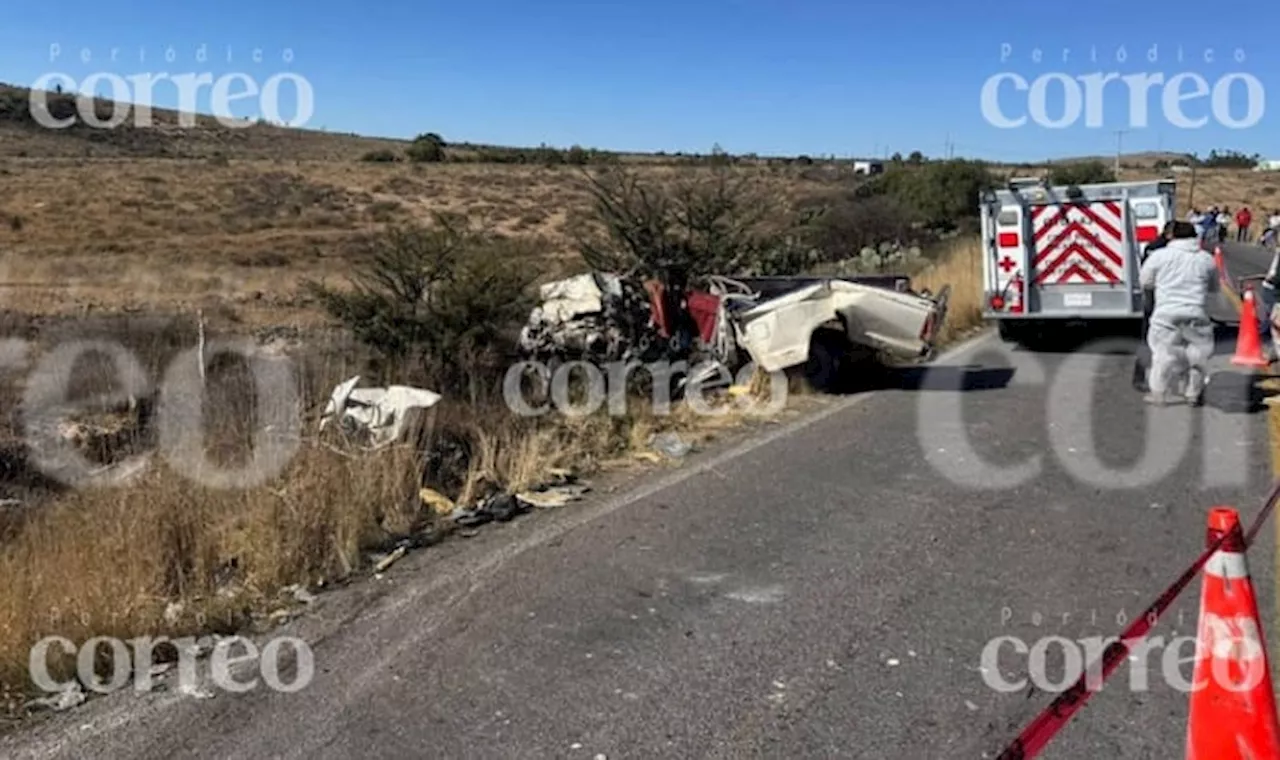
(1180,333)
(1224,224)
(1267,301)
(1273,230)
(1244,217)
(1142,364)
(1204,223)
(1210,223)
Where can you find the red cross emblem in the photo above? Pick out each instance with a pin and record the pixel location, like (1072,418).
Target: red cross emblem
(1007,264)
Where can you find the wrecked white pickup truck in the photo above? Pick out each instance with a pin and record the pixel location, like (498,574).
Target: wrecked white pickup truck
(822,323)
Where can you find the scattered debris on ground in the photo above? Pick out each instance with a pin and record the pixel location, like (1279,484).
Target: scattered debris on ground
(499,508)
(299,593)
(381,565)
(714,328)
(439,503)
(378,417)
(671,444)
(73,696)
(552,497)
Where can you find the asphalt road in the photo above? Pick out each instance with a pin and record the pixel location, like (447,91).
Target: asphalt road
(825,589)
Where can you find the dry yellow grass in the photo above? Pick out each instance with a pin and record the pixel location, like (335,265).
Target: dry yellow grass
(960,266)
(237,240)
(112,561)
(1232,188)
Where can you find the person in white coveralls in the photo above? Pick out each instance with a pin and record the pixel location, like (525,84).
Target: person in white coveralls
(1180,334)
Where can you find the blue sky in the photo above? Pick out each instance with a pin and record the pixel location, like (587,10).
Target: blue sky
(785,77)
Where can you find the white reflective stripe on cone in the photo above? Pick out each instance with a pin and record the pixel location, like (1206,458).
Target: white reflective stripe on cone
(1227,565)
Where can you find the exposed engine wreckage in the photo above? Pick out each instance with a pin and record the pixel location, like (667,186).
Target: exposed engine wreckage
(775,322)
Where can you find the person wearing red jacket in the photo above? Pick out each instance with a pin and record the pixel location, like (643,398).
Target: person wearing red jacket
(1243,219)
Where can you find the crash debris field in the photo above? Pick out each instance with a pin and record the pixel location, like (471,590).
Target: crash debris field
(158,242)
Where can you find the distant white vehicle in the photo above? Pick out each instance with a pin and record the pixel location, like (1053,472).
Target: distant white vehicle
(1271,165)
(868,167)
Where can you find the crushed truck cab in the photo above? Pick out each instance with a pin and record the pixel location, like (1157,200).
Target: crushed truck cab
(825,322)
(778,332)
(1067,254)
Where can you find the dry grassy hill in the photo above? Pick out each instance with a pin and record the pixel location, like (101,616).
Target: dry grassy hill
(155,233)
(20,137)
(230,220)
(1144,160)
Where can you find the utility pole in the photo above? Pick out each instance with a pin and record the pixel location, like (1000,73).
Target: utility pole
(1119,137)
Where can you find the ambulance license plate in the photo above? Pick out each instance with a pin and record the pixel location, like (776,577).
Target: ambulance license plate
(1077,300)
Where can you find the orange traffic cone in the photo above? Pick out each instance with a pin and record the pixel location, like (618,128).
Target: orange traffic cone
(1233,707)
(1220,262)
(1248,343)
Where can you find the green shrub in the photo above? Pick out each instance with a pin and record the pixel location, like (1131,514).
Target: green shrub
(548,156)
(426,148)
(937,195)
(1230,159)
(850,223)
(380,156)
(443,297)
(717,222)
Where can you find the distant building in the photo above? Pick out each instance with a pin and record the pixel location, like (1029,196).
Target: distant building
(868,167)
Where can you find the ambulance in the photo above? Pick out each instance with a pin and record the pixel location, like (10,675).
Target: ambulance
(1058,255)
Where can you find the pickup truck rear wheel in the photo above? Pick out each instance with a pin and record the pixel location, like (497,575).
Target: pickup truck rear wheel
(826,350)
